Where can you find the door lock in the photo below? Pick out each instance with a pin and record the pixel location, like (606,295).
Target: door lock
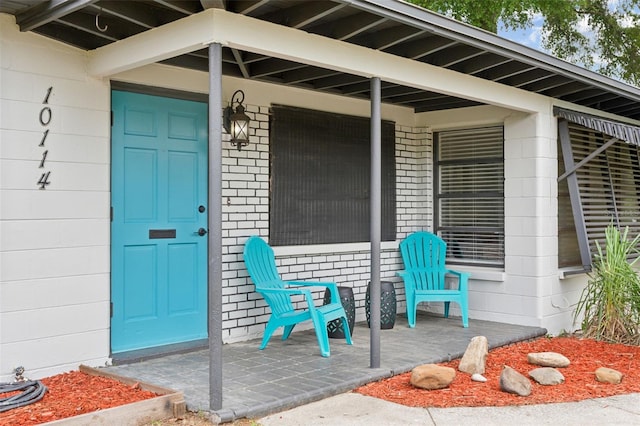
(202,232)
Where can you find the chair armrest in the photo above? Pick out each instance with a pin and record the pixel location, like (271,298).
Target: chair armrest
(463,278)
(281,290)
(290,291)
(309,283)
(333,287)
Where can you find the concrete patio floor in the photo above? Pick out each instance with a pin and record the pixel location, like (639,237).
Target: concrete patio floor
(291,373)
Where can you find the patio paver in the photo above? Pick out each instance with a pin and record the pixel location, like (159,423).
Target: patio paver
(292,373)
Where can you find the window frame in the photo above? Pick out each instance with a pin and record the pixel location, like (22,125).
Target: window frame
(320,172)
(438,196)
(589,227)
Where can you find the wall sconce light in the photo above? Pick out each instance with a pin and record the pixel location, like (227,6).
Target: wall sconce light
(236,123)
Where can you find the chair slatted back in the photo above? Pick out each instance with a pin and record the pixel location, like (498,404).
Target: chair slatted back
(424,255)
(261,264)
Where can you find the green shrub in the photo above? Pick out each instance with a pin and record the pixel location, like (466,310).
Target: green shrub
(611,300)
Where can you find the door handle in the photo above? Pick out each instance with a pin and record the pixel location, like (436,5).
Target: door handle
(202,232)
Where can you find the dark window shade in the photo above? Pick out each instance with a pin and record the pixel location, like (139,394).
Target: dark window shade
(470,194)
(321,178)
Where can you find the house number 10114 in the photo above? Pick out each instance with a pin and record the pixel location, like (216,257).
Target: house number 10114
(45,119)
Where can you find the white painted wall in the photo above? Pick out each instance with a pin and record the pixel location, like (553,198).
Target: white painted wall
(54,243)
(528,290)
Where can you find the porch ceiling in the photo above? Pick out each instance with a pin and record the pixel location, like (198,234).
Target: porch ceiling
(394,27)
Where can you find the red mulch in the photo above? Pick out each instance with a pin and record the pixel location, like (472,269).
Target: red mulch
(75,393)
(585,355)
(71,394)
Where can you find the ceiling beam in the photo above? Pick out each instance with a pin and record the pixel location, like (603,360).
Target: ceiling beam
(303,13)
(213,4)
(129,12)
(244,69)
(46,12)
(185,7)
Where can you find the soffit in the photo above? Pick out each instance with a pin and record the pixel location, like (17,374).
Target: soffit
(394,27)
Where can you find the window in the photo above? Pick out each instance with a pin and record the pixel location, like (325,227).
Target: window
(469,199)
(321,177)
(607,189)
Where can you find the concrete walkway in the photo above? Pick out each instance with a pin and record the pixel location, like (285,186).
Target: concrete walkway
(292,373)
(352,409)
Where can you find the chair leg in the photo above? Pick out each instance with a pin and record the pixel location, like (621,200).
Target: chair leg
(464,310)
(268,331)
(287,331)
(320,326)
(446,309)
(411,314)
(412,306)
(346,331)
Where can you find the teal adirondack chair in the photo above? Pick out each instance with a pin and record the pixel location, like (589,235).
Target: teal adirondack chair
(423,255)
(260,262)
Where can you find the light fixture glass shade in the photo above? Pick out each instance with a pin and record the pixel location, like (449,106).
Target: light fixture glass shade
(240,128)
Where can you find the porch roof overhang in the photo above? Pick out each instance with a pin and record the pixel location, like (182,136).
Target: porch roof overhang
(247,34)
(351,31)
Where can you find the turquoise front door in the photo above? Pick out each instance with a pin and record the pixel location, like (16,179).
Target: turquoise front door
(159,221)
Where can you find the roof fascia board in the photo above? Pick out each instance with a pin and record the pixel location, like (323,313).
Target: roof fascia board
(167,41)
(411,14)
(253,35)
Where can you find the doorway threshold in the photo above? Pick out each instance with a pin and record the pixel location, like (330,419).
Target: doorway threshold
(139,355)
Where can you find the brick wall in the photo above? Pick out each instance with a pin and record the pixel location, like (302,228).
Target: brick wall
(245,212)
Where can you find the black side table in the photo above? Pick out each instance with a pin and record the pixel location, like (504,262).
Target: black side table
(387,305)
(334,328)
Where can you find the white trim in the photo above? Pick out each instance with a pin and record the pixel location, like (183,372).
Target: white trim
(481,274)
(331,248)
(253,35)
(571,272)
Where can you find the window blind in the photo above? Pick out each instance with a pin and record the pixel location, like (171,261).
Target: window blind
(608,184)
(470,194)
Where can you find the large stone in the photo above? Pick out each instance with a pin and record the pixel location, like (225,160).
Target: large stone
(547,376)
(608,375)
(548,359)
(513,382)
(432,376)
(474,359)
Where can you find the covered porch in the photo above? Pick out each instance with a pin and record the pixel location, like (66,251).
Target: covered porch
(292,373)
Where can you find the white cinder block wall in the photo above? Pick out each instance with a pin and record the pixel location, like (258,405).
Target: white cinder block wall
(54,243)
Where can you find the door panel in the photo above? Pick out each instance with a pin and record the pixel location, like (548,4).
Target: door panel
(159,261)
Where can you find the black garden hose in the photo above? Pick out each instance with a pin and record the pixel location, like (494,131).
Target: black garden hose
(32,391)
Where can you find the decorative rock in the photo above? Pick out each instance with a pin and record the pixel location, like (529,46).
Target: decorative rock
(478,378)
(547,376)
(608,375)
(432,376)
(475,357)
(513,382)
(548,359)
